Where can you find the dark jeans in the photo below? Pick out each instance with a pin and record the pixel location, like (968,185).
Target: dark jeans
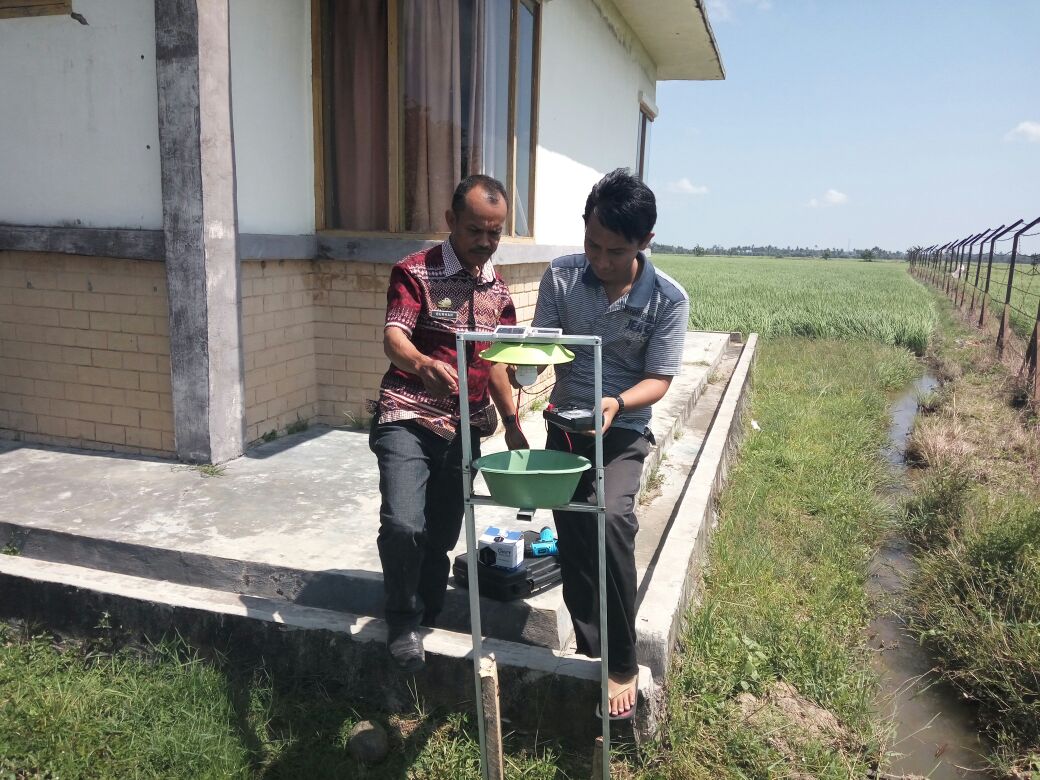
(623,454)
(420,517)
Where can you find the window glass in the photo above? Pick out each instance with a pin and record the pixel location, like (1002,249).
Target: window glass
(524,116)
(448,94)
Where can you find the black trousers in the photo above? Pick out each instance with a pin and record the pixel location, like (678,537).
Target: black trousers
(623,454)
(420,518)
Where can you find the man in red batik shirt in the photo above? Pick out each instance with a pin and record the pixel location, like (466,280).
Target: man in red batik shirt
(415,435)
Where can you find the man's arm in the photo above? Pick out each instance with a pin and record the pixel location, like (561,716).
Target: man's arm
(498,386)
(437,377)
(647,392)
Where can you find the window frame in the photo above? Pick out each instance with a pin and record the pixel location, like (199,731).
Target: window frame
(648,112)
(20,9)
(322,124)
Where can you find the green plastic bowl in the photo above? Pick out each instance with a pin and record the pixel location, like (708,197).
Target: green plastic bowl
(532,479)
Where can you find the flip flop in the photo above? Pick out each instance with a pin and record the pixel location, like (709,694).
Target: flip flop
(627,714)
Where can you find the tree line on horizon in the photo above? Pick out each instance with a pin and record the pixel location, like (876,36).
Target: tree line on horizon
(752,250)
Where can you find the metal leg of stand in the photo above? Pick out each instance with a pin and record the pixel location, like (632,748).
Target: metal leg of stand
(471,551)
(601,534)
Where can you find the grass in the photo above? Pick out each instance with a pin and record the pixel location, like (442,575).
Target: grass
(784,598)
(75,710)
(70,714)
(839,299)
(975,515)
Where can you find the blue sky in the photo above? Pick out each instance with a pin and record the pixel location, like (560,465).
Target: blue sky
(883,122)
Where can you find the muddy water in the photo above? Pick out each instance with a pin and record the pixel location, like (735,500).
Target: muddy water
(935,733)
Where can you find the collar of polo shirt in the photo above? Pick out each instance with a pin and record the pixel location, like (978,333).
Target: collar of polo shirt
(452,264)
(639,295)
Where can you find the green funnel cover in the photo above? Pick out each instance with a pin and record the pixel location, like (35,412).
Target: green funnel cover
(523,354)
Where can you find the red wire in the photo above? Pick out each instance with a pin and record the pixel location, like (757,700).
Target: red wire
(518,412)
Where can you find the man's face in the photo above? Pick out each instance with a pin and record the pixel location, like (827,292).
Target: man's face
(475,231)
(611,255)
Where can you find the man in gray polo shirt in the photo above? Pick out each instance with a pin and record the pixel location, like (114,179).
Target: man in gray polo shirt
(612,290)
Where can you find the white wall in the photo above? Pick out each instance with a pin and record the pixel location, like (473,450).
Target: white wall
(591,75)
(78,113)
(271,109)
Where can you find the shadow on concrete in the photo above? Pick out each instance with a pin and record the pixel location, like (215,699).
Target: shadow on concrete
(8,446)
(261,450)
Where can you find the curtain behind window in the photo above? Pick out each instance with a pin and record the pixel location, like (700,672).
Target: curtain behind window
(432,110)
(358,133)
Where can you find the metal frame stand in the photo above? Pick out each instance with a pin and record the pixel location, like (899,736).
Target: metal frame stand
(471,501)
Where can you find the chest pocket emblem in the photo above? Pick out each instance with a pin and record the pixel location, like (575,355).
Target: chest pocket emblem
(444,312)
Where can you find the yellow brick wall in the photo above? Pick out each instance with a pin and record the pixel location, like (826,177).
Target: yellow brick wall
(278,345)
(84,346)
(350,308)
(85,352)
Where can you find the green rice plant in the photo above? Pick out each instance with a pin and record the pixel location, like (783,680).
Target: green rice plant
(819,299)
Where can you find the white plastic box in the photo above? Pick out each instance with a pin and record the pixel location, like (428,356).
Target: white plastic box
(508,547)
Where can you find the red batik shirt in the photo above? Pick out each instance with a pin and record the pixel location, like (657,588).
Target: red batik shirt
(432,297)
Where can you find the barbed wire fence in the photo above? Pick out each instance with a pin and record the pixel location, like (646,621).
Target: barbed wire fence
(993,277)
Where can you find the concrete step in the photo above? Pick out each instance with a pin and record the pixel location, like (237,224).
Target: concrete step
(553,692)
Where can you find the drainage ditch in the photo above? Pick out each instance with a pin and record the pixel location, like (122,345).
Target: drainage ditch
(934,728)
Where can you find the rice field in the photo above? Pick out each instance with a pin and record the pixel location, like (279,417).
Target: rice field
(820,299)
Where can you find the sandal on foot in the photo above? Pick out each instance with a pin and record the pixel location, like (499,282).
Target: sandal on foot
(631,711)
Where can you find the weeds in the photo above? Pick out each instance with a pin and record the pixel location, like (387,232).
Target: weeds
(975,513)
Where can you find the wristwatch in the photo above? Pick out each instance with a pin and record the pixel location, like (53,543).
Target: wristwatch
(508,420)
(620,403)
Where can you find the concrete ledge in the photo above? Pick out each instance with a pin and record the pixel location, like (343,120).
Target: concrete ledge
(96,242)
(543,690)
(677,567)
(537,620)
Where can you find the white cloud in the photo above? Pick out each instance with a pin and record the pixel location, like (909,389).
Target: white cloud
(831,197)
(1025,131)
(725,10)
(686,187)
(720,10)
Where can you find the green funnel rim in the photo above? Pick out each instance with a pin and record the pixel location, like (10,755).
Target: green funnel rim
(521,354)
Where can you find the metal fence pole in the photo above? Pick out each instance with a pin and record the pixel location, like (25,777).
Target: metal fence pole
(967,269)
(989,270)
(978,268)
(1005,316)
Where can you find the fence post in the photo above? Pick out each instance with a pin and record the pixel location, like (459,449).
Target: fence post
(989,270)
(978,267)
(967,269)
(1005,317)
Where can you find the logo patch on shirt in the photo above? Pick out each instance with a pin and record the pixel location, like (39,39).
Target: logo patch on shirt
(638,329)
(444,311)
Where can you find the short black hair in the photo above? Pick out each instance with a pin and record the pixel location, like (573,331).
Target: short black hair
(493,187)
(623,204)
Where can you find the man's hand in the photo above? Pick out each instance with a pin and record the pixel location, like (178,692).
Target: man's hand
(439,378)
(515,438)
(610,410)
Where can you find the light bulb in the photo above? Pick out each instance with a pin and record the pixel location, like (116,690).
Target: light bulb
(526,375)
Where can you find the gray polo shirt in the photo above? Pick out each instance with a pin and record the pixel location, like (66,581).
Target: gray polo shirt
(642,331)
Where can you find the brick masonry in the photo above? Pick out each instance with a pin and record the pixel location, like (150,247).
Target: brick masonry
(84,347)
(85,352)
(278,346)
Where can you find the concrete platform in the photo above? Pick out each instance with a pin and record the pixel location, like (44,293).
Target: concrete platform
(289,530)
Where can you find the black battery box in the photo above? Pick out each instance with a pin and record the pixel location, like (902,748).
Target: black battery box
(532,576)
(576,420)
